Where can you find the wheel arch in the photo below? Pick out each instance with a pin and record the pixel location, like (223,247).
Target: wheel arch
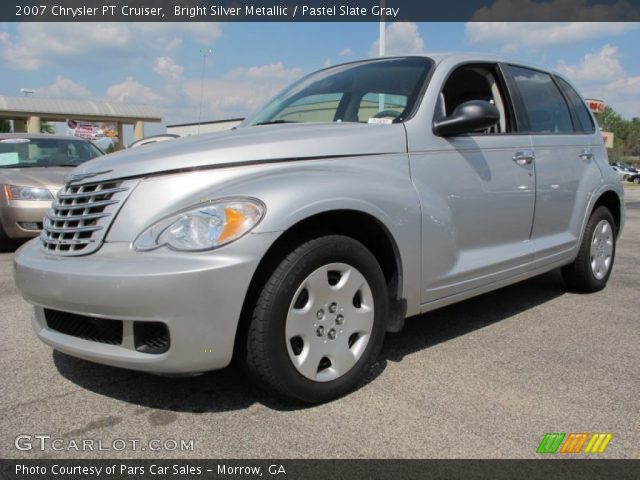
(611,200)
(359,225)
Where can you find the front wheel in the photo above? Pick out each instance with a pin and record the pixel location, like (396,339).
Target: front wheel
(319,322)
(3,236)
(592,267)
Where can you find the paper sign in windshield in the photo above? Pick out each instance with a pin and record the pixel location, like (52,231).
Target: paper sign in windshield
(383,120)
(9,158)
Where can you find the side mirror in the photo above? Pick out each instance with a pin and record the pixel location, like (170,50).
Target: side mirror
(468,117)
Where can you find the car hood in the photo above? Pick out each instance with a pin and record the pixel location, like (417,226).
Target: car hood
(51,178)
(263,143)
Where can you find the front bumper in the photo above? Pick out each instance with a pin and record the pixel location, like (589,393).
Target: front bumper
(17,213)
(198,296)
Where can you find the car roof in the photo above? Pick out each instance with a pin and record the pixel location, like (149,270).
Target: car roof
(463,57)
(40,135)
(155,137)
(485,57)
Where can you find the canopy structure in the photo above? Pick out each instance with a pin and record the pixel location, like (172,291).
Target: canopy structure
(28,112)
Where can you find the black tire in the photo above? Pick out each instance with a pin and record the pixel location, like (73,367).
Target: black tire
(579,275)
(266,356)
(636,180)
(3,235)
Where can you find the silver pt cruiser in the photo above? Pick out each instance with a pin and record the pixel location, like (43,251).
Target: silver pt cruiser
(360,195)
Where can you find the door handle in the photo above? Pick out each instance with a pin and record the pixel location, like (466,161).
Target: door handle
(586,154)
(524,158)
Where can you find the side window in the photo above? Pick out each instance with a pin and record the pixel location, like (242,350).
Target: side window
(545,107)
(476,82)
(312,108)
(72,151)
(82,151)
(392,106)
(582,115)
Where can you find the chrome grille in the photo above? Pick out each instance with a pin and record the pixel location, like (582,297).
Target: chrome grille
(80,216)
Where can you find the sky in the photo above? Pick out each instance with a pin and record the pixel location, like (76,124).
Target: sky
(161,63)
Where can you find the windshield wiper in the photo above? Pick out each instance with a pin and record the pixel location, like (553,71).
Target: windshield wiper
(273,122)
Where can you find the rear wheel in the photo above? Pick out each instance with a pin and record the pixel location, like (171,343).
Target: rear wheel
(592,267)
(636,180)
(318,324)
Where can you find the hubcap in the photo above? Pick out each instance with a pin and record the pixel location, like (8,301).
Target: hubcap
(329,322)
(601,253)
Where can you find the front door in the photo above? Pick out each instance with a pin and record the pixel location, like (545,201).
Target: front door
(477,193)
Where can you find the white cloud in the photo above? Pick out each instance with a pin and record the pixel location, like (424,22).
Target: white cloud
(402,38)
(600,75)
(272,71)
(133,91)
(598,66)
(622,94)
(327,63)
(63,88)
(581,10)
(240,91)
(38,43)
(627,85)
(168,69)
(512,35)
(345,52)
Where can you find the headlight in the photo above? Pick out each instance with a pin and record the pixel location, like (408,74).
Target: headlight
(14,192)
(205,227)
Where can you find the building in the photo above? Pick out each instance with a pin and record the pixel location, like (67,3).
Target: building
(28,112)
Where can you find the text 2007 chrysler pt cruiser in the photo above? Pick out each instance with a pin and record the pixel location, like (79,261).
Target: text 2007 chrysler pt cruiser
(362,194)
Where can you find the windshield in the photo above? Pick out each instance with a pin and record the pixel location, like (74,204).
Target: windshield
(27,152)
(375,91)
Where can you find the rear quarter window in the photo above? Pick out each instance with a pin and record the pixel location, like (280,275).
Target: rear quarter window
(584,122)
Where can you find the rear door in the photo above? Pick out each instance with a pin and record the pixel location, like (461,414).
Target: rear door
(564,141)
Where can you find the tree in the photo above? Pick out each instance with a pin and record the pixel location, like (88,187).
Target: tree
(633,138)
(626,142)
(46,127)
(610,120)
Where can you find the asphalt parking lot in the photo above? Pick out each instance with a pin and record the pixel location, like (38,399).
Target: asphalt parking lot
(486,378)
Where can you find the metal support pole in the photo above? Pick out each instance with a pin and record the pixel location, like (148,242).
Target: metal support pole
(381,48)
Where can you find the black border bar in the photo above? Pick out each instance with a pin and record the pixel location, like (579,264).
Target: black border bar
(318,10)
(184,469)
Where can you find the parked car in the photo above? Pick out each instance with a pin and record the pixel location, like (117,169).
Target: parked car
(625,171)
(32,170)
(153,139)
(635,178)
(362,194)
(622,173)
